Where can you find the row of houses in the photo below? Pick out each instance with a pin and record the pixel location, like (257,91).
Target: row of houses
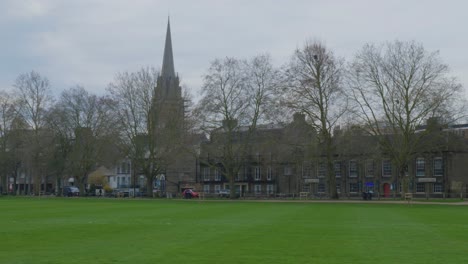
(274,172)
(281,168)
(352,178)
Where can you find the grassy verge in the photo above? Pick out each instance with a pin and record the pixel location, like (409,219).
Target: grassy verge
(60,230)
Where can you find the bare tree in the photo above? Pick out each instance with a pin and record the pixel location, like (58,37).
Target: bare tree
(86,126)
(35,98)
(63,144)
(314,87)
(235,99)
(396,88)
(149,147)
(8,157)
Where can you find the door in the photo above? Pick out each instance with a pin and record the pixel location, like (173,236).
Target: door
(386,189)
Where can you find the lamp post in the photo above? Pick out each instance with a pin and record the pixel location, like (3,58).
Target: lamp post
(132,174)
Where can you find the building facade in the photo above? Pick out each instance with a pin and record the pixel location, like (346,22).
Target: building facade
(292,163)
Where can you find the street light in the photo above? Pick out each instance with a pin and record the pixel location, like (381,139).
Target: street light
(133,177)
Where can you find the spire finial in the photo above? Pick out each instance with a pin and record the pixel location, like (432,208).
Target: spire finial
(168,60)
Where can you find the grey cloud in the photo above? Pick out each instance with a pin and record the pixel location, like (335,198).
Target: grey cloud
(88,42)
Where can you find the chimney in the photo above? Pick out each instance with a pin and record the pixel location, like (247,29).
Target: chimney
(299,117)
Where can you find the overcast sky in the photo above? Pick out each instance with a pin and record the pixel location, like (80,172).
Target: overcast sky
(87,42)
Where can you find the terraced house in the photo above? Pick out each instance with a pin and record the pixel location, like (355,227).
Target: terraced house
(286,160)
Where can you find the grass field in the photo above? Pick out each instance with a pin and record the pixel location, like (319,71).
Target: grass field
(59,230)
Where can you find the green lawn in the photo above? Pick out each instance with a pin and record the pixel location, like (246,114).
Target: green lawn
(79,230)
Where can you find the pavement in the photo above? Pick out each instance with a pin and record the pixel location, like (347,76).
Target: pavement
(349,201)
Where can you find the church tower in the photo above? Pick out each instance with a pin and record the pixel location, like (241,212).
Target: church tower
(168,104)
(168,122)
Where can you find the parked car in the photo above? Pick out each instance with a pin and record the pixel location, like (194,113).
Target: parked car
(189,193)
(120,193)
(224,193)
(71,191)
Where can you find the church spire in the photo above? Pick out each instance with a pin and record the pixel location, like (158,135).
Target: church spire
(168,60)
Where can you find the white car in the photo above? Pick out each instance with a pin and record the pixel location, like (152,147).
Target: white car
(224,193)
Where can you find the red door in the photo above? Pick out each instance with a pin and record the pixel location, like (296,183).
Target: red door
(386,189)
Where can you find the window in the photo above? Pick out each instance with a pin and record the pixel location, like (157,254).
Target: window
(438,188)
(156,183)
(217,188)
(420,167)
(206,174)
(269,173)
(338,188)
(257,173)
(321,170)
(270,189)
(257,155)
(305,170)
(438,167)
(369,168)
(206,188)
(337,168)
(217,175)
(321,187)
(353,187)
(258,189)
(353,169)
(239,175)
(128,168)
(386,168)
(287,170)
(123,168)
(421,187)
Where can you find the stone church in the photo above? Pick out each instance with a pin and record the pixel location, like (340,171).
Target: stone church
(169,116)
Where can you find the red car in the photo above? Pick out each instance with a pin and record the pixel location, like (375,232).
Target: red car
(189,193)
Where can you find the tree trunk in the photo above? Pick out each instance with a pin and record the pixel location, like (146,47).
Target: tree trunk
(37,184)
(15,184)
(330,168)
(149,187)
(58,191)
(404,183)
(27,188)
(232,187)
(82,186)
(4,184)
(331,180)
